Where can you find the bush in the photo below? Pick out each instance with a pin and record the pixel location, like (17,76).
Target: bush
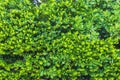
(60,40)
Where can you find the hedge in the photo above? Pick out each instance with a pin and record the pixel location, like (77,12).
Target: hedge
(60,40)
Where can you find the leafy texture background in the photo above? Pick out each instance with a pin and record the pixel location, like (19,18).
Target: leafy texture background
(60,40)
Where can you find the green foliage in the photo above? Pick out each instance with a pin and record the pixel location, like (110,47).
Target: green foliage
(60,40)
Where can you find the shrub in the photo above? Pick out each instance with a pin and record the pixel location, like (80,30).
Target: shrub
(59,40)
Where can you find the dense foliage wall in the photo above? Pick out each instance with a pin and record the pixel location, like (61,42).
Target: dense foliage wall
(60,40)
